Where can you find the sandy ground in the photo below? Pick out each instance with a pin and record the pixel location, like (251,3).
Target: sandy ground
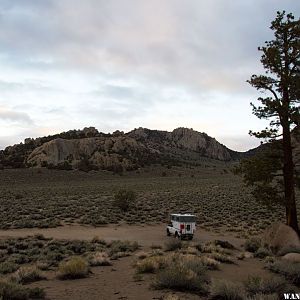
(144,235)
(117,282)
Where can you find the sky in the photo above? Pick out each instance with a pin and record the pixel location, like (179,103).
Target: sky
(124,64)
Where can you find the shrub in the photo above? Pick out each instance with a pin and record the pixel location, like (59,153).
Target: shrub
(15,291)
(224,244)
(170,297)
(100,259)
(152,264)
(123,199)
(288,249)
(97,240)
(75,268)
(12,291)
(253,244)
(263,297)
(262,252)
(240,256)
(154,246)
(8,267)
(199,247)
(179,277)
(27,275)
(122,246)
(173,245)
(210,263)
(142,255)
(290,270)
(256,285)
(227,290)
(211,247)
(36,293)
(221,258)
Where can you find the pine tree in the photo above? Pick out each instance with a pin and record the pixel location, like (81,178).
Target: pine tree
(280,86)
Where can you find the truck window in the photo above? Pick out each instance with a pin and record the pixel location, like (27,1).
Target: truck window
(187,219)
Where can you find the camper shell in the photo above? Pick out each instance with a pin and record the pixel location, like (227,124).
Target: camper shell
(182,226)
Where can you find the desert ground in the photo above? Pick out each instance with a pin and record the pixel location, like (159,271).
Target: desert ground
(47,217)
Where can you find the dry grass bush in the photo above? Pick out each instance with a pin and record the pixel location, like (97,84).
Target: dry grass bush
(173,244)
(262,252)
(252,244)
(74,268)
(288,249)
(142,255)
(227,290)
(210,247)
(256,285)
(7,267)
(221,258)
(190,250)
(44,253)
(27,275)
(210,263)
(264,297)
(14,291)
(124,199)
(224,244)
(184,274)
(151,264)
(290,270)
(170,297)
(117,247)
(241,256)
(97,240)
(99,259)
(178,277)
(154,246)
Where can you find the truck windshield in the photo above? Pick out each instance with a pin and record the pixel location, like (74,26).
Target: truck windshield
(187,219)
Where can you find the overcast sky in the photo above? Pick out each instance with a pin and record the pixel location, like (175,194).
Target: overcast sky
(122,64)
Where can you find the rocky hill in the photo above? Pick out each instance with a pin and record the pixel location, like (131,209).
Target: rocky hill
(89,149)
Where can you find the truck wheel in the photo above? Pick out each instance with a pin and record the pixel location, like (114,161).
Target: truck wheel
(168,232)
(190,238)
(176,235)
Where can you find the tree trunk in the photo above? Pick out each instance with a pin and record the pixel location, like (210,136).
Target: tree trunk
(288,173)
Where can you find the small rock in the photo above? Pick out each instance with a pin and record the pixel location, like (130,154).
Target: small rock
(248,254)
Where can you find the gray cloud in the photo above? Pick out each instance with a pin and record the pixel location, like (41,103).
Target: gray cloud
(141,50)
(196,43)
(15,116)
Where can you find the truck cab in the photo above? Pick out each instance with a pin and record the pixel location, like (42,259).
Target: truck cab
(182,226)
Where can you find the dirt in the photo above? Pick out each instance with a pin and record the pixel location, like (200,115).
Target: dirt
(111,282)
(117,281)
(145,235)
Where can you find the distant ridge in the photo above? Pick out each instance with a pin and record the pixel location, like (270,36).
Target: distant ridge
(90,149)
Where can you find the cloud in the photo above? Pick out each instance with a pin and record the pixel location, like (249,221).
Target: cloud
(195,44)
(15,116)
(116,64)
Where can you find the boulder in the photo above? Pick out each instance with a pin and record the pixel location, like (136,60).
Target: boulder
(292,257)
(281,239)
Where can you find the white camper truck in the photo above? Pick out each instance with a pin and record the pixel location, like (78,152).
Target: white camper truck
(182,226)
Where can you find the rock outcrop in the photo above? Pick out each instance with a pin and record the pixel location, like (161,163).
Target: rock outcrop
(111,153)
(183,142)
(116,151)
